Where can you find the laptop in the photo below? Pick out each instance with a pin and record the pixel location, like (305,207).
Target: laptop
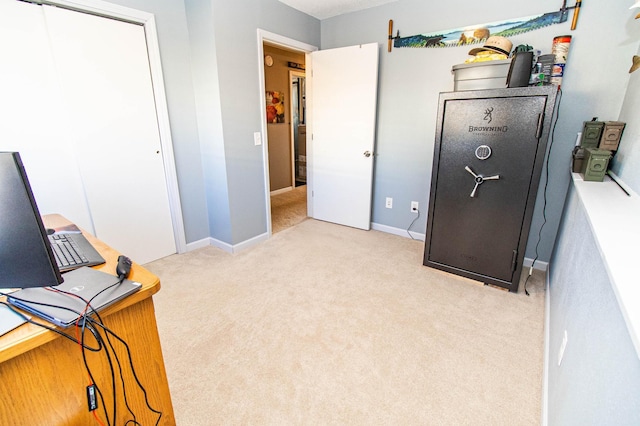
(73,250)
(63,309)
(9,320)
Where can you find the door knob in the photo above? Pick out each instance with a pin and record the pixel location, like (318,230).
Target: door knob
(367,154)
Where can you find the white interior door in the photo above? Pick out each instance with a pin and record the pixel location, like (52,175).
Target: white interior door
(343,96)
(103,70)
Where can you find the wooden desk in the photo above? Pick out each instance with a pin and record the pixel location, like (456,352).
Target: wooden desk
(43,379)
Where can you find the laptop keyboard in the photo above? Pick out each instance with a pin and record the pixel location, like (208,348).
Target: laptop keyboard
(66,251)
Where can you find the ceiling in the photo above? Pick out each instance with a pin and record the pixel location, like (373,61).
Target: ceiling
(323,9)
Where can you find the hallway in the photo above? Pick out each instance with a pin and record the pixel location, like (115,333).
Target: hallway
(288,208)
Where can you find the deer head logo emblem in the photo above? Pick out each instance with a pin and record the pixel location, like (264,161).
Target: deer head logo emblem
(487,115)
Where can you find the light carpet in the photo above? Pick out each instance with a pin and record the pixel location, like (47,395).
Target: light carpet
(330,325)
(288,208)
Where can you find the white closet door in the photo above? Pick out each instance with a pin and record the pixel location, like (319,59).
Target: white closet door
(103,70)
(31,121)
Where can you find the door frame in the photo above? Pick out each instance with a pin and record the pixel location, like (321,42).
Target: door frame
(291,44)
(292,74)
(147,21)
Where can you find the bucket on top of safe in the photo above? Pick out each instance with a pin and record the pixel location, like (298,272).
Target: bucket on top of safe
(481,75)
(560,51)
(560,48)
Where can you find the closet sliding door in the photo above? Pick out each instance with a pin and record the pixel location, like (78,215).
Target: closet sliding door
(31,120)
(88,82)
(103,70)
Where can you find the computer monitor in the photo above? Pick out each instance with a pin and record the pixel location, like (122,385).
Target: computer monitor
(26,258)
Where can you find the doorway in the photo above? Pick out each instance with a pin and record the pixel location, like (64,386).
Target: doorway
(285,150)
(284,71)
(289,205)
(340,151)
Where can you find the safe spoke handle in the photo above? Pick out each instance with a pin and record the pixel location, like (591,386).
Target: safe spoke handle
(479,179)
(473,193)
(467,168)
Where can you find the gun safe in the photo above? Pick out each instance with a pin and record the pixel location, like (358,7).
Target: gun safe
(489,152)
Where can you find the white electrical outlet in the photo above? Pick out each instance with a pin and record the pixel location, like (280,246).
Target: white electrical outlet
(389,203)
(414,207)
(257,138)
(563,346)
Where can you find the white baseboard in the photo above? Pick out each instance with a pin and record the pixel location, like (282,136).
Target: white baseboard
(229,248)
(250,242)
(263,237)
(397,231)
(205,242)
(281,191)
(540,265)
(221,245)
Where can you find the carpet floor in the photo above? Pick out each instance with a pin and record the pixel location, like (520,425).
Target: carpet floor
(329,325)
(288,208)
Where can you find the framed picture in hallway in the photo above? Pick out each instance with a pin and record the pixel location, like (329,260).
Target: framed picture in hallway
(275,107)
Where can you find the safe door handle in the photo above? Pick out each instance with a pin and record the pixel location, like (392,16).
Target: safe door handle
(479,179)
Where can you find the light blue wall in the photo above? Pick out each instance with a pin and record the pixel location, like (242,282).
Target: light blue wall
(235,24)
(207,94)
(209,58)
(173,37)
(410,80)
(598,381)
(195,122)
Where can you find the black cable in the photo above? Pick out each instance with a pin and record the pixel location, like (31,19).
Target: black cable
(91,378)
(121,279)
(133,371)
(546,185)
(108,331)
(81,342)
(83,321)
(124,388)
(88,323)
(111,370)
(55,330)
(12,296)
(85,318)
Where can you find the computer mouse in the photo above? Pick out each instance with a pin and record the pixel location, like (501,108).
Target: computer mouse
(50,231)
(124,267)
